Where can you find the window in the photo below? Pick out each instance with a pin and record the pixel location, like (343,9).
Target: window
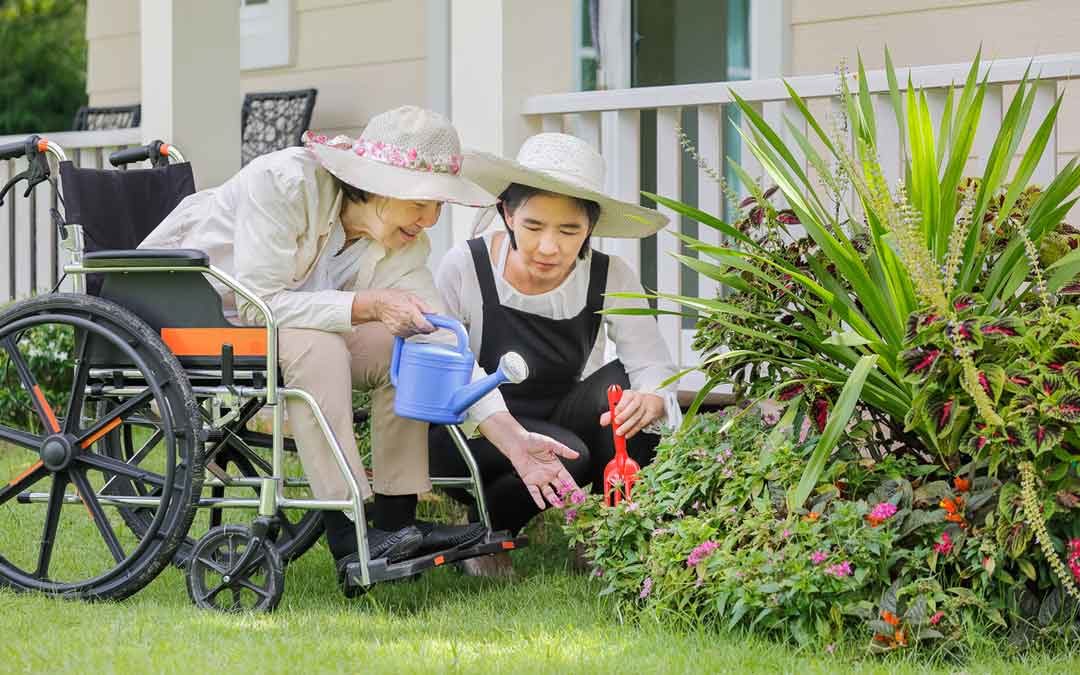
(265,33)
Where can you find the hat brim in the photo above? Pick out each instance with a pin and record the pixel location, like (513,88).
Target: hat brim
(398,182)
(617,218)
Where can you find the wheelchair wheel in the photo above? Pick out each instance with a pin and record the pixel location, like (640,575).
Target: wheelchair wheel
(241,454)
(220,578)
(60,355)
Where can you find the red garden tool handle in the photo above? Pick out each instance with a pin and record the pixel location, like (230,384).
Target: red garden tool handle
(614,395)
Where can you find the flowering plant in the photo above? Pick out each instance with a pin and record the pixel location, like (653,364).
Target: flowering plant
(924,350)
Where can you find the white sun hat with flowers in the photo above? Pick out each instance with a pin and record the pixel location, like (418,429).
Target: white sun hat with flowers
(565,165)
(405,153)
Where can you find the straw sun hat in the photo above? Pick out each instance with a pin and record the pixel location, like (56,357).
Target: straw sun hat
(565,165)
(406,153)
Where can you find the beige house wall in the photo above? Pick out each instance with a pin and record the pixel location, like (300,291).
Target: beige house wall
(363,57)
(926,32)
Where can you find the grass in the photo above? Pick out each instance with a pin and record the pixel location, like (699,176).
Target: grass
(549,620)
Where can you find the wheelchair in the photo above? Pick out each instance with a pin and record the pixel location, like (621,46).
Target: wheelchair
(147,426)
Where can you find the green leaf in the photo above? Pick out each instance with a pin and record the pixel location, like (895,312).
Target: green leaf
(838,419)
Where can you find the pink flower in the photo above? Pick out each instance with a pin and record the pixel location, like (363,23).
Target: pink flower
(818,557)
(1074,558)
(944,545)
(839,570)
(646,588)
(571,516)
(830,648)
(577,497)
(785,534)
(881,513)
(936,618)
(700,552)
(412,154)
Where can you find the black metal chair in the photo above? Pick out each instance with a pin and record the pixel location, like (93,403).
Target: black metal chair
(112,117)
(273,121)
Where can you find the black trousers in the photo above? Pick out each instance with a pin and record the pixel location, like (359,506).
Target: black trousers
(575,423)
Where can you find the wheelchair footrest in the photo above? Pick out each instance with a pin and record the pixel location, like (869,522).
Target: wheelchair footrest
(383,570)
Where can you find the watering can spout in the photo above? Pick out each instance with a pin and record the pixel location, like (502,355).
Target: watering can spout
(512,368)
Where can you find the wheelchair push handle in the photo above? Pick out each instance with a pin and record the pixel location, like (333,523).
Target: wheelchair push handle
(24,148)
(158,152)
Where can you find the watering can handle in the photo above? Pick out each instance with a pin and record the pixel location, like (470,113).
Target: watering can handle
(395,360)
(440,321)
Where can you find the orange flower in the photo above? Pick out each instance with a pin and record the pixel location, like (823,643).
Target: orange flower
(900,638)
(954,510)
(962,484)
(811,517)
(890,618)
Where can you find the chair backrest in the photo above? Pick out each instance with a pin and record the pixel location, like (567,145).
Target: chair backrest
(113,117)
(274,120)
(118,209)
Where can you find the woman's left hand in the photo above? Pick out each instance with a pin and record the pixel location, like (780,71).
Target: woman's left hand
(635,411)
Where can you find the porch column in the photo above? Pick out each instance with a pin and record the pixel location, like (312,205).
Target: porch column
(503,51)
(191,82)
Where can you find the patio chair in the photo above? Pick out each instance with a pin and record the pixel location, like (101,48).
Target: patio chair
(273,121)
(112,117)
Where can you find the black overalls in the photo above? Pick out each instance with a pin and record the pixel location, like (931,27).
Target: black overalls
(553,401)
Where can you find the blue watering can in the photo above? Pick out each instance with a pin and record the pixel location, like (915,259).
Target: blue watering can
(433,380)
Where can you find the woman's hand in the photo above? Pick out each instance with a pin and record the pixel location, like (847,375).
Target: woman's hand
(635,411)
(400,311)
(535,458)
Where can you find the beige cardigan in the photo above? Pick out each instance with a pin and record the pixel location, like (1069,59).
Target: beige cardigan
(267,225)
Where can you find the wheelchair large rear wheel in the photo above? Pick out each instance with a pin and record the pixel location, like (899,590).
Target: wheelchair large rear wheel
(60,531)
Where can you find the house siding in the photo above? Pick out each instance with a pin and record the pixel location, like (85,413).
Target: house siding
(363,57)
(926,32)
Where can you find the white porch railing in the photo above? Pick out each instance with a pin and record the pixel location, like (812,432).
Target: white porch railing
(611,121)
(30,249)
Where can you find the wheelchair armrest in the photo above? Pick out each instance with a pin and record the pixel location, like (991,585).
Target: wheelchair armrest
(147,257)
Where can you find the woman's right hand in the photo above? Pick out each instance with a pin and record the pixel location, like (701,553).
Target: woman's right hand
(400,311)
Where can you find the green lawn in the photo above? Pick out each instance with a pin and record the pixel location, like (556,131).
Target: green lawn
(547,621)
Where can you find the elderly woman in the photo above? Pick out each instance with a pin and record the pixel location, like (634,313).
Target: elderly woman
(331,237)
(538,288)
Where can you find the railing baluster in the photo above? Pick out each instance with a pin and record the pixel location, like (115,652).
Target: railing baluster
(7,235)
(710,196)
(1046,169)
(669,184)
(747,160)
(20,224)
(586,126)
(620,144)
(989,127)
(43,242)
(888,140)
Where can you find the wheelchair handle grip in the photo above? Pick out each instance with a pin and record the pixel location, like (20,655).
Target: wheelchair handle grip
(23,148)
(151,151)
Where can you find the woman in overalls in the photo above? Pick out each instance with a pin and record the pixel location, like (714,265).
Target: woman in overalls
(537,288)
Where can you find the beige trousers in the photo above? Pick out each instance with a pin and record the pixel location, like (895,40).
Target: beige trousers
(329,366)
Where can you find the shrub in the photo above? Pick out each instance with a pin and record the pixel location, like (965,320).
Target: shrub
(925,353)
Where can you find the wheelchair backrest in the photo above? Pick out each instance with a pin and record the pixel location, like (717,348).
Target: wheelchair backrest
(118,209)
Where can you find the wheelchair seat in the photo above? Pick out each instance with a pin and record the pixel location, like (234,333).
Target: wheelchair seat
(145,257)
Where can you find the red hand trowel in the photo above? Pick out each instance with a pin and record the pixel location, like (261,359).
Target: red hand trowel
(621,472)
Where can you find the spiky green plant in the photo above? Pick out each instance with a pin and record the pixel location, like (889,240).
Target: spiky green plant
(930,239)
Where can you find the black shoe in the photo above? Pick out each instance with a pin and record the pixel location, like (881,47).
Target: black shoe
(444,537)
(394,546)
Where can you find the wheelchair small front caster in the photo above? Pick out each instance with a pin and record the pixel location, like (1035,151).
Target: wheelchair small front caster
(233,570)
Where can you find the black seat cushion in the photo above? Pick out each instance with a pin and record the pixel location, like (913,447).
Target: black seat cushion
(147,257)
